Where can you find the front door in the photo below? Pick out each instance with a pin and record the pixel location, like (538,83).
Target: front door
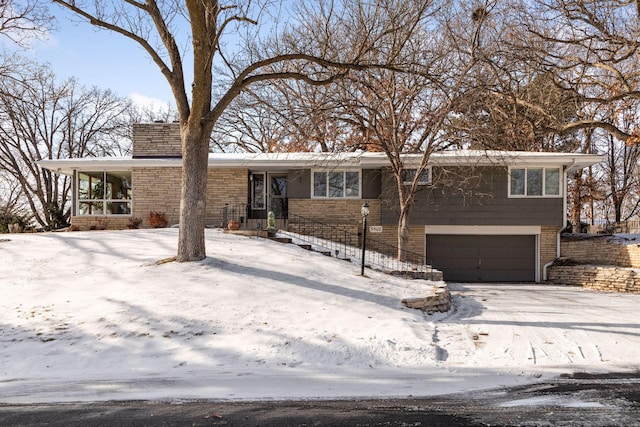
(278,195)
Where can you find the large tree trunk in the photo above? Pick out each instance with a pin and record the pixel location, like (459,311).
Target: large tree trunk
(195,157)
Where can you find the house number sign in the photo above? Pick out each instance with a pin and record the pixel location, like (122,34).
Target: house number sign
(375,229)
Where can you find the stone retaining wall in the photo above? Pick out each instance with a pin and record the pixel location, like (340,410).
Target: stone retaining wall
(600,250)
(598,277)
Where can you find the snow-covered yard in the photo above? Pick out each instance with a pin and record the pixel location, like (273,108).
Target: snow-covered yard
(92,316)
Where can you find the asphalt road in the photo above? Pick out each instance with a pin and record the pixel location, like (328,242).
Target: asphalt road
(578,400)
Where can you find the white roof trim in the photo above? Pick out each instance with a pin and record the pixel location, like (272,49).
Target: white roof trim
(332,160)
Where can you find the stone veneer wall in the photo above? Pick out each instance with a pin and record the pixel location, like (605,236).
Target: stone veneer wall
(156,189)
(156,140)
(598,277)
(225,186)
(345,212)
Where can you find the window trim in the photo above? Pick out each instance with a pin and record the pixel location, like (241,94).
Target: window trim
(544,183)
(426,170)
(344,184)
(103,200)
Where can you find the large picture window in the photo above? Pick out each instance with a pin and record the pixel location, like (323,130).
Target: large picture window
(534,182)
(336,184)
(104,193)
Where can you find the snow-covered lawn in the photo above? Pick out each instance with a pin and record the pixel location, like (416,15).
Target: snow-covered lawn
(92,316)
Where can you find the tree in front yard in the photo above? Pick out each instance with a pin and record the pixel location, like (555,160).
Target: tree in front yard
(235,44)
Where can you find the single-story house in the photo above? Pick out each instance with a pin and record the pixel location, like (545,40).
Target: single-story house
(480,215)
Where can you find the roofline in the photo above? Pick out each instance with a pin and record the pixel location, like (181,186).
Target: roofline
(571,161)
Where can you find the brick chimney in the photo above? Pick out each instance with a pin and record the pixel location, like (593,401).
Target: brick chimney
(156,140)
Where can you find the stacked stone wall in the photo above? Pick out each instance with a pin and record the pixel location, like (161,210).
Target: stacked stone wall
(598,277)
(600,250)
(598,262)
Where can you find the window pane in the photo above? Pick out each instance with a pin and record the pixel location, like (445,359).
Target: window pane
(90,208)
(258,199)
(90,185)
(517,182)
(336,184)
(319,184)
(534,182)
(552,182)
(118,185)
(408,174)
(118,208)
(424,176)
(353,184)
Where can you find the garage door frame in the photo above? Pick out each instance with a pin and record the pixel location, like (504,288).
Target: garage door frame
(494,230)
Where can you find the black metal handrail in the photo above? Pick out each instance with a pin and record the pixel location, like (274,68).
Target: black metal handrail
(238,212)
(346,244)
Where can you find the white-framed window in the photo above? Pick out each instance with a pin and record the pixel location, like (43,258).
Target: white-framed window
(258,191)
(335,184)
(104,193)
(534,182)
(409,174)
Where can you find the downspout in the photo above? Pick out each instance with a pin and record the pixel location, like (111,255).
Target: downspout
(545,268)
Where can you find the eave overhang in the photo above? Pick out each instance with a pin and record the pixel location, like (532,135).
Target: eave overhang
(288,161)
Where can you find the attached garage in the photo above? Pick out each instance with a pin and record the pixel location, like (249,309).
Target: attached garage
(484,257)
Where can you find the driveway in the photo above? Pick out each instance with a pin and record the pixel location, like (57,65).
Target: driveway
(539,327)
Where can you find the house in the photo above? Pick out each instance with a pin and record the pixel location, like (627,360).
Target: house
(480,215)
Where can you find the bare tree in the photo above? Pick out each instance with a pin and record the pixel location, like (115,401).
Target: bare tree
(21,20)
(589,49)
(329,37)
(43,119)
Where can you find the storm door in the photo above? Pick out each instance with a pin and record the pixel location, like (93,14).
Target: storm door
(278,195)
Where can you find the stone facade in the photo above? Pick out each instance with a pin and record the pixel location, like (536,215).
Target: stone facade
(225,187)
(99,222)
(158,189)
(156,140)
(335,211)
(548,246)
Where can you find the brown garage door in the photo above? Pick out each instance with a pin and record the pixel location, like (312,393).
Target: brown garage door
(483,258)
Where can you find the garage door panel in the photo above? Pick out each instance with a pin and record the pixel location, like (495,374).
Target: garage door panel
(488,258)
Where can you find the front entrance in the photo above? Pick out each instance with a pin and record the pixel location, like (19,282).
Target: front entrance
(268,193)
(278,202)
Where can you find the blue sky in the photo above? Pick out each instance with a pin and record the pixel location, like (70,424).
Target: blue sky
(101,58)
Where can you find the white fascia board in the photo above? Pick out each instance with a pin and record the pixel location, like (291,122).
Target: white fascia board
(67,166)
(486,230)
(332,160)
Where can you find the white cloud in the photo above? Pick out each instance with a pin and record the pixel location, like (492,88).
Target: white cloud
(148,102)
